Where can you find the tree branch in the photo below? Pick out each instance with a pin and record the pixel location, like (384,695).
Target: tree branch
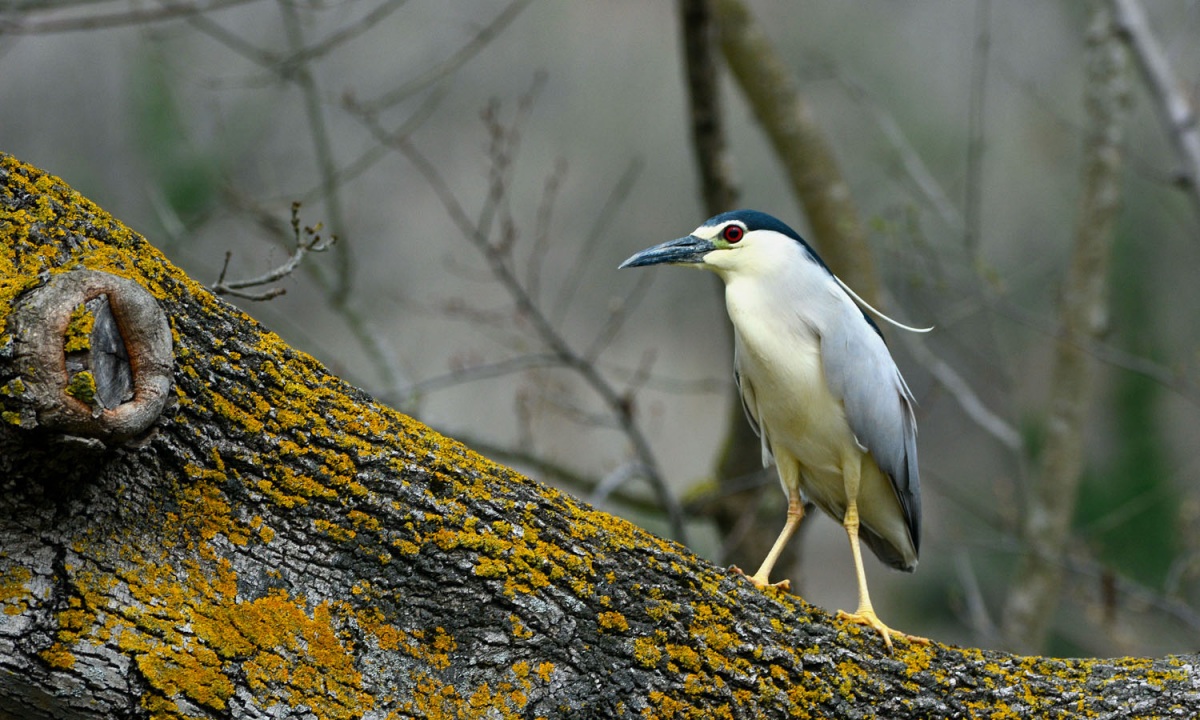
(718,188)
(617,403)
(238,288)
(117,19)
(1178,114)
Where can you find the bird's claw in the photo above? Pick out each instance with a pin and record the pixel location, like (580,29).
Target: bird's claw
(761,583)
(870,619)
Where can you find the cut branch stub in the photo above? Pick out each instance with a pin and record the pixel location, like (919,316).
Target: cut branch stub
(94,353)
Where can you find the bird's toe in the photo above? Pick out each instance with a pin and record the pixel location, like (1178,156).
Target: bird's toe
(761,582)
(870,619)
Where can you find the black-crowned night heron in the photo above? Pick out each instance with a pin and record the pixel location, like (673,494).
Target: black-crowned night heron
(819,387)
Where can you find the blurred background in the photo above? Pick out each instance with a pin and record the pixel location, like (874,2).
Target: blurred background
(487,164)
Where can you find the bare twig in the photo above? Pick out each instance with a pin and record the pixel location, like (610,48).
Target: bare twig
(372,155)
(474,373)
(235,42)
(1046,521)
(345,34)
(1178,114)
(666,383)
(101,21)
(616,403)
(1174,381)
(562,475)
(604,219)
(541,230)
(306,241)
(617,317)
(339,288)
(910,160)
(964,394)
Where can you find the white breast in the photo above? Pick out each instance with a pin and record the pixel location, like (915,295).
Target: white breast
(779,352)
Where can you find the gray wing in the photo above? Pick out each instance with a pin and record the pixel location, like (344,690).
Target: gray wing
(879,406)
(750,407)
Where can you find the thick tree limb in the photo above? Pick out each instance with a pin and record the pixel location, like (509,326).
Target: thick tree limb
(282,546)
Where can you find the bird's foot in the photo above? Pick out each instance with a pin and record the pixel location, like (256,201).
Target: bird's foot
(761,582)
(868,617)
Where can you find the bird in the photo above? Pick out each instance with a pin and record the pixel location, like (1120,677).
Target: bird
(819,387)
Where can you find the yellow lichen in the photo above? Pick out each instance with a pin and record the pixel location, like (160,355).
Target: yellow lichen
(612,621)
(14,590)
(489,568)
(646,652)
(518,628)
(78,336)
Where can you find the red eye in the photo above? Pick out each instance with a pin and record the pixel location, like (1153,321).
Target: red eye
(732,233)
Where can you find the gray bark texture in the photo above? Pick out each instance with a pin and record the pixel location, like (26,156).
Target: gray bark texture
(273,543)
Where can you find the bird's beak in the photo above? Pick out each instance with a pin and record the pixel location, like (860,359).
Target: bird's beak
(684,251)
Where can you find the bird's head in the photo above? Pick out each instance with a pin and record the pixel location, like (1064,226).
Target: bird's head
(741,241)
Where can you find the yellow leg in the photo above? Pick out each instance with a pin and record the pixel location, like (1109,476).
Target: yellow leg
(865,614)
(795,513)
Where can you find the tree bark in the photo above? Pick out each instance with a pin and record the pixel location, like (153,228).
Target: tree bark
(273,543)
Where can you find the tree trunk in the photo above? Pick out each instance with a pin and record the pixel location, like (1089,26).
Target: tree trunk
(236,533)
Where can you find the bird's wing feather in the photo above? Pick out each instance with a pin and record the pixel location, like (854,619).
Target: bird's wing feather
(878,403)
(750,406)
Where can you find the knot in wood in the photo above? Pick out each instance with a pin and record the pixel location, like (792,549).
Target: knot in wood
(94,354)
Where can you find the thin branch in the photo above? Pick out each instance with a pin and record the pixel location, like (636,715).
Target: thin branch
(475,373)
(581,265)
(541,230)
(1171,380)
(667,383)
(613,481)
(910,160)
(1178,114)
(237,288)
(345,34)
(618,316)
(964,394)
(976,612)
(617,403)
(235,42)
(339,288)
(372,155)
(102,21)
(378,352)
